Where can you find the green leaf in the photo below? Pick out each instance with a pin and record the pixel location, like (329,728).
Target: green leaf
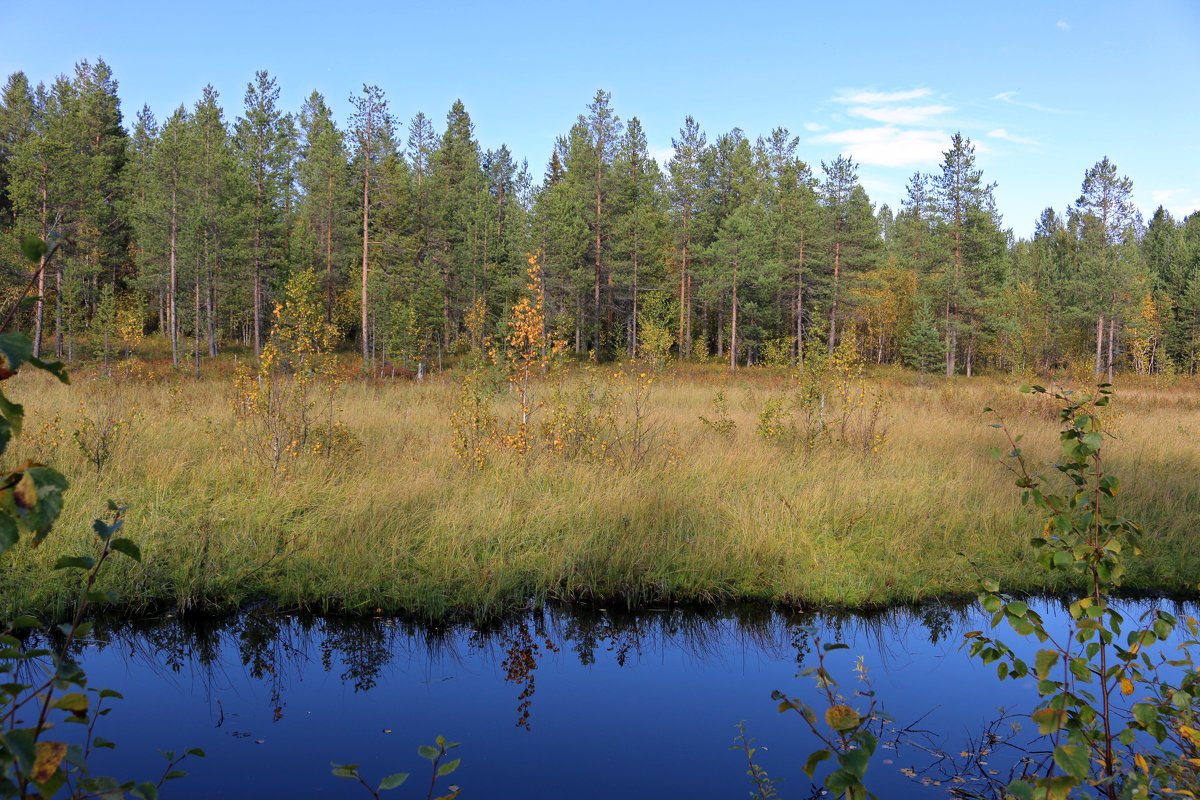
(74,562)
(33,248)
(55,368)
(840,780)
(345,770)
(9,533)
(814,759)
(13,412)
(127,547)
(49,485)
(73,702)
(1049,720)
(428,752)
(1044,661)
(1020,790)
(1145,713)
(146,791)
(448,767)
(392,781)
(855,762)
(1073,760)
(835,646)
(102,529)
(16,348)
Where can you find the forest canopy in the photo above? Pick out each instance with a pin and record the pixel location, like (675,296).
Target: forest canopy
(735,249)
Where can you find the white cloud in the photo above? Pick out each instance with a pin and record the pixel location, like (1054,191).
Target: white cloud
(898,115)
(867,97)
(1011,99)
(1004,135)
(1180,202)
(877,188)
(662,155)
(1163,196)
(889,146)
(813,127)
(1063,25)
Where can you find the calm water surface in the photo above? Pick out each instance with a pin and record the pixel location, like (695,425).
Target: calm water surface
(561,703)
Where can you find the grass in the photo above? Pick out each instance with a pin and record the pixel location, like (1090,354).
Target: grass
(399,524)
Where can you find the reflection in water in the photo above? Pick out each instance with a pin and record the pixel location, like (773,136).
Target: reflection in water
(276,648)
(305,690)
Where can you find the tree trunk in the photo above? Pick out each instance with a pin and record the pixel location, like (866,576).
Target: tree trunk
(329,251)
(733,321)
(633,344)
(1111,336)
(800,307)
(689,314)
(196,324)
(720,327)
(837,265)
(683,353)
(599,267)
(173,317)
(366,213)
(40,310)
(1099,344)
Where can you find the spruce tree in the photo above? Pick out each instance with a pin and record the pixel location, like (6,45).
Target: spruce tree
(922,346)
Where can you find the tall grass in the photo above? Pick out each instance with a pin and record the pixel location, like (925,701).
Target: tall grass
(398,524)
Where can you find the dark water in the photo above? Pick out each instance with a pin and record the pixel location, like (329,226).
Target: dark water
(579,704)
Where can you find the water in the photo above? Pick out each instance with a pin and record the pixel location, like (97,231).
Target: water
(562,703)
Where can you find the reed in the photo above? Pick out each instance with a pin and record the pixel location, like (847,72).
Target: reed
(398,523)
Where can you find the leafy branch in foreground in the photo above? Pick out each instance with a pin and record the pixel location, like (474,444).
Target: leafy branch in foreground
(434,753)
(1080,676)
(31,500)
(846,733)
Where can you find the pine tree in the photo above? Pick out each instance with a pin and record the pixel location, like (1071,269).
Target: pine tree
(371,132)
(640,226)
(966,213)
(171,197)
(851,234)
(262,143)
(687,198)
(1104,217)
(216,231)
(327,196)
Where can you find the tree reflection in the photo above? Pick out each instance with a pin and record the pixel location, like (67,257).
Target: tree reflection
(522,649)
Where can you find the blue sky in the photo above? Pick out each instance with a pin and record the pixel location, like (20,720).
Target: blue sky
(1044,89)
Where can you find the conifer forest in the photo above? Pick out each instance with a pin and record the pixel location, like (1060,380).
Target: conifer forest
(187,228)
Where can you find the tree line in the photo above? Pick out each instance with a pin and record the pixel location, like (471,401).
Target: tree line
(190,227)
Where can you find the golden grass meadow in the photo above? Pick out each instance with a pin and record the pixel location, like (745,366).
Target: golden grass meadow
(705,513)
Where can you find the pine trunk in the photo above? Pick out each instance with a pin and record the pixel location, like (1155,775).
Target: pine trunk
(172,312)
(833,306)
(733,320)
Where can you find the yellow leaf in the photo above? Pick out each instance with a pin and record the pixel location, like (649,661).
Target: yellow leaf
(841,717)
(1140,760)
(1126,686)
(25,492)
(49,756)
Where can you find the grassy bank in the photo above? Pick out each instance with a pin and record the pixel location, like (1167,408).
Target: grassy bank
(399,523)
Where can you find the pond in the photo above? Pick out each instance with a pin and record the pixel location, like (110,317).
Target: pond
(565,702)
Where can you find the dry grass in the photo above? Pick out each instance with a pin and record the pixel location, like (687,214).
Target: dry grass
(400,525)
